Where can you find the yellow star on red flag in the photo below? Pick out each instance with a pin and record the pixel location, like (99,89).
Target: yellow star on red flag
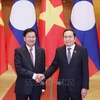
(52,16)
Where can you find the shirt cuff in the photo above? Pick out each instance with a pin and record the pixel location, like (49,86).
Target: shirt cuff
(43,90)
(34,76)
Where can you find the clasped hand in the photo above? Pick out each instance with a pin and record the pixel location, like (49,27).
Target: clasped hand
(39,77)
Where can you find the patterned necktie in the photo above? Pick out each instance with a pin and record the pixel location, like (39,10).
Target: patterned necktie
(69,55)
(31,54)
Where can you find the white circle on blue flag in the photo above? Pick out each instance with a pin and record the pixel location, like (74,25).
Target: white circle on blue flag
(23,15)
(82,16)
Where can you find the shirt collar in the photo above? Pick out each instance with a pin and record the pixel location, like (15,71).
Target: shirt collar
(29,47)
(72,47)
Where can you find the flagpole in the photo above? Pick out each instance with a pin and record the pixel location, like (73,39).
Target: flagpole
(50,88)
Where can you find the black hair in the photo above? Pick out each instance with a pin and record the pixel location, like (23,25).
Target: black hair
(28,30)
(70,30)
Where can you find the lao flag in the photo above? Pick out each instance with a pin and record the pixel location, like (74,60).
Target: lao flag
(22,17)
(3,65)
(83,22)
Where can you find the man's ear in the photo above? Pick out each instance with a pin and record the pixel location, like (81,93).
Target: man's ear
(24,39)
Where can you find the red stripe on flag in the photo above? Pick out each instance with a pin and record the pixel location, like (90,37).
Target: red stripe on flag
(92,68)
(11,44)
(3,64)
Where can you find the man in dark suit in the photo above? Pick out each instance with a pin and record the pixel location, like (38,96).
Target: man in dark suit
(72,61)
(29,60)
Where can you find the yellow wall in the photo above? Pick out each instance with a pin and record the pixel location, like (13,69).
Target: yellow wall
(97,10)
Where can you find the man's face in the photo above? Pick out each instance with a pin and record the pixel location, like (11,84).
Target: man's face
(30,39)
(69,38)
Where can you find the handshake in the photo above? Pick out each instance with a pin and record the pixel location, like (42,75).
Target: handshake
(39,77)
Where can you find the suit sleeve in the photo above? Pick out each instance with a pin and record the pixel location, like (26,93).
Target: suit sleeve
(21,71)
(85,74)
(53,67)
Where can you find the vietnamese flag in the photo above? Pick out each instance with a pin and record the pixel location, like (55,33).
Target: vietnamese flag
(3,65)
(50,27)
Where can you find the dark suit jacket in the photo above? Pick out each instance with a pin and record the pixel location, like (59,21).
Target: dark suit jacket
(74,76)
(25,70)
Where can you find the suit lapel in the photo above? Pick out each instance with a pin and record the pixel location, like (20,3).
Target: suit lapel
(36,55)
(64,53)
(75,52)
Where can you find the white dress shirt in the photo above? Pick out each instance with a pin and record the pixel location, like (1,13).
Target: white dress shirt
(33,52)
(71,50)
